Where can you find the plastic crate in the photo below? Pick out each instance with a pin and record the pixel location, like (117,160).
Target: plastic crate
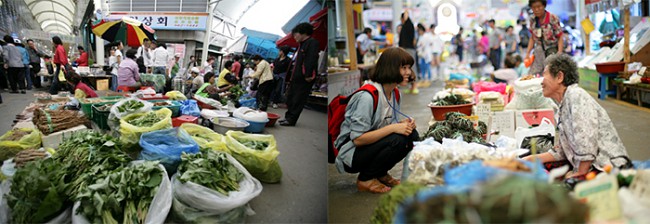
(87,107)
(175,107)
(100,117)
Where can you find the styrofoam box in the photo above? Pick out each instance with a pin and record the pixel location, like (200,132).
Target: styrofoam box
(53,140)
(528,118)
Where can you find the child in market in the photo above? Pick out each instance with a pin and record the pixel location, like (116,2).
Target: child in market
(506,75)
(372,140)
(81,90)
(520,67)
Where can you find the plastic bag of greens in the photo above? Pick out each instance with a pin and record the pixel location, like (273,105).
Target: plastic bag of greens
(258,153)
(158,209)
(189,107)
(175,95)
(167,146)
(134,125)
(18,139)
(193,202)
(205,137)
(126,107)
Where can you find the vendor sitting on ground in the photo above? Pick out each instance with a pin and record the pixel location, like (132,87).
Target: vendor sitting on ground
(506,75)
(209,90)
(587,137)
(226,79)
(81,90)
(372,142)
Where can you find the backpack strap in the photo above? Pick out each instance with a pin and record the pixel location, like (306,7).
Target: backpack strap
(373,91)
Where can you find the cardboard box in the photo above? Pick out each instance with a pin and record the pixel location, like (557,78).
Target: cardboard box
(102,84)
(530,118)
(53,140)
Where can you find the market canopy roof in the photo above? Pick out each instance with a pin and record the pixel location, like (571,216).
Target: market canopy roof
(54,16)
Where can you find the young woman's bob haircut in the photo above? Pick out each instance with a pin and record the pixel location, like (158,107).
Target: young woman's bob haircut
(387,69)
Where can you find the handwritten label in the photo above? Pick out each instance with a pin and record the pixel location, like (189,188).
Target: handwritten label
(502,122)
(601,197)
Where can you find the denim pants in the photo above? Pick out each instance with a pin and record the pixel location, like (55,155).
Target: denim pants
(28,76)
(425,69)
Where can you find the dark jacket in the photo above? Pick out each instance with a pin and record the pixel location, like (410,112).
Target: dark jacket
(306,61)
(407,35)
(34,55)
(281,66)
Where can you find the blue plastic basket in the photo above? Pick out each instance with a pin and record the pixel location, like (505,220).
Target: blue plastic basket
(248,101)
(255,127)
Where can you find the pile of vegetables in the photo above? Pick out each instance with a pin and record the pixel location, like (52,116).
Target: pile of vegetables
(42,189)
(252,144)
(452,99)
(235,93)
(456,125)
(210,169)
(146,120)
(122,195)
(388,203)
(50,121)
(11,145)
(23,157)
(511,200)
(131,105)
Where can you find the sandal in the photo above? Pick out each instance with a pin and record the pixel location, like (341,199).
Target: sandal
(389,180)
(373,186)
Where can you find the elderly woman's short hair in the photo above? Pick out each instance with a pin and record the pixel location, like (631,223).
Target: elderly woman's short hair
(565,64)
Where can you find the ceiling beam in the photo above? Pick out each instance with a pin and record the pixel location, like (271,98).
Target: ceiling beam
(50,2)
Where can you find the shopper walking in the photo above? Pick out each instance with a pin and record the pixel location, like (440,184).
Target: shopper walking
(34,62)
(236,67)
(264,73)
(160,57)
(364,43)
(26,71)
(459,42)
(495,38)
(546,36)
(425,53)
(280,68)
(511,40)
(438,47)
(407,42)
(303,73)
(14,64)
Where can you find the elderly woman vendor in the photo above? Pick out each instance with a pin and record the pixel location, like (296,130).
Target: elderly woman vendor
(587,137)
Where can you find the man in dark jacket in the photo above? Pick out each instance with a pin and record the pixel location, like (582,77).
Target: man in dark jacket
(34,62)
(303,72)
(280,68)
(407,41)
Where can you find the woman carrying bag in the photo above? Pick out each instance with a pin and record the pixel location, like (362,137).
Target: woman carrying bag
(546,35)
(60,61)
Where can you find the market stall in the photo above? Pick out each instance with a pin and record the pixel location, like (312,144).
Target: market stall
(65,158)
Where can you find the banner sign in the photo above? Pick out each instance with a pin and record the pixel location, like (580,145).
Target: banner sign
(166,20)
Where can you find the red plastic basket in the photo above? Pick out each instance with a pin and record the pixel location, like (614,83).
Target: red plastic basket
(203,105)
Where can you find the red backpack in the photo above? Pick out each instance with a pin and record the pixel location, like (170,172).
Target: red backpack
(336,115)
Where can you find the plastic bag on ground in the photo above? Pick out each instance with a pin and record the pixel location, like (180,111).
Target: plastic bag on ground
(190,107)
(175,95)
(115,115)
(250,114)
(158,210)
(167,146)
(8,148)
(262,164)
(131,134)
(205,137)
(193,202)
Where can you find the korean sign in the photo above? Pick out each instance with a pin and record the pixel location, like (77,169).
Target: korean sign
(166,21)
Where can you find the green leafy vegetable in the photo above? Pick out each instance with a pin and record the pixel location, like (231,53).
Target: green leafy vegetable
(257,145)
(146,120)
(452,99)
(210,169)
(130,105)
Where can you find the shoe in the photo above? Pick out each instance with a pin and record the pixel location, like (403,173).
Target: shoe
(287,123)
(373,186)
(275,106)
(388,180)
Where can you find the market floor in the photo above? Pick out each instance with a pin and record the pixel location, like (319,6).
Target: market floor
(301,195)
(347,205)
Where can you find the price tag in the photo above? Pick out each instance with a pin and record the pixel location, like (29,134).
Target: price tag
(601,197)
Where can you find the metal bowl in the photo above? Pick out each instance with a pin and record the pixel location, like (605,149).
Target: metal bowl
(225,124)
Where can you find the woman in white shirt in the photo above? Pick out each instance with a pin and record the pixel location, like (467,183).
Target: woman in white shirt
(425,53)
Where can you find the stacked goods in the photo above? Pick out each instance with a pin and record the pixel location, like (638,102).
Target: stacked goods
(26,156)
(18,139)
(50,121)
(454,126)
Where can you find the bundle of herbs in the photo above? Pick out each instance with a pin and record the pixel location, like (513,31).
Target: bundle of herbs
(452,99)
(147,120)
(210,169)
(456,125)
(123,195)
(50,121)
